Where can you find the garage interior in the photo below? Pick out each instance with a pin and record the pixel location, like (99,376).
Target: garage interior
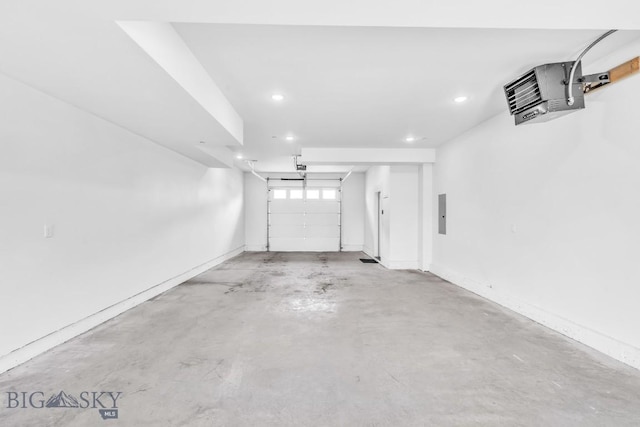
(276,213)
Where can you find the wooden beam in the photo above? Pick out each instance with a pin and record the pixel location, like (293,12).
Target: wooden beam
(624,70)
(616,74)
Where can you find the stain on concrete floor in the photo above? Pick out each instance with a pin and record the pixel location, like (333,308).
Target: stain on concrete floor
(302,339)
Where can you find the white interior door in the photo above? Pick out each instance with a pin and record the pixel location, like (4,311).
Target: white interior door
(304,219)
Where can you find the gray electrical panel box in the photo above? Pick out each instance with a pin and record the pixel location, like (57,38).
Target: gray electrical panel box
(442,213)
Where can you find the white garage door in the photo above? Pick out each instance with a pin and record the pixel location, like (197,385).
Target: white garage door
(304,218)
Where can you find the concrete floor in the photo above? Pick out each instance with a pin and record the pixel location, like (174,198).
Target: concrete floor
(274,339)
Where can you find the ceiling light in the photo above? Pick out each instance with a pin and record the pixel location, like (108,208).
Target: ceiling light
(277,97)
(460,99)
(239,156)
(289,138)
(410,139)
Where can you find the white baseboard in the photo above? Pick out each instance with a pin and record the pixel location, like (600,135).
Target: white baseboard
(263,248)
(394,265)
(56,338)
(621,351)
(401,265)
(369,253)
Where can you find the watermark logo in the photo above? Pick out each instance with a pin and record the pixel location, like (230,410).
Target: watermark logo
(108,414)
(62,400)
(106,402)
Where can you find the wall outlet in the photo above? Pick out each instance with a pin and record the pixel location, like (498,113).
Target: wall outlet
(48,231)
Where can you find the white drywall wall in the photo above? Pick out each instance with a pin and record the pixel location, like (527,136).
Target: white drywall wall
(400,229)
(425,216)
(255,201)
(544,218)
(353,208)
(353,211)
(126,214)
(377,179)
(403,217)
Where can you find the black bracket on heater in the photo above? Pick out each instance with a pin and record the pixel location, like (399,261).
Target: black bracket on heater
(594,81)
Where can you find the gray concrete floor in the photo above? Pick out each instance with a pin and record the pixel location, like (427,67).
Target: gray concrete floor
(274,339)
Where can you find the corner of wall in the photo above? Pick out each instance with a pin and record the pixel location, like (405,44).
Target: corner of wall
(623,352)
(33,349)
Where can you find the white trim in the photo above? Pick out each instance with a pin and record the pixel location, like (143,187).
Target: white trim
(167,48)
(367,156)
(255,248)
(56,338)
(402,265)
(394,265)
(352,248)
(619,350)
(369,252)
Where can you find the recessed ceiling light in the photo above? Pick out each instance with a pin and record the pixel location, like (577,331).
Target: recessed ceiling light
(277,97)
(460,99)
(239,156)
(410,139)
(289,138)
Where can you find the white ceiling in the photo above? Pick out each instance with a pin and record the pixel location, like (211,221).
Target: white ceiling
(355,73)
(370,86)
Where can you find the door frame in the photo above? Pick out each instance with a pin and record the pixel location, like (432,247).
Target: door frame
(378,203)
(271,185)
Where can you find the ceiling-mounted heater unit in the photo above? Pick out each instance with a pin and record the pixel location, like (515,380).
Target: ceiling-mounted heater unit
(550,91)
(541,94)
